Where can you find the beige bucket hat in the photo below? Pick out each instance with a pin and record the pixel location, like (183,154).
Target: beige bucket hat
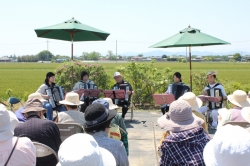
(71,98)
(191,98)
(33,105)
(239,98)
(37,96)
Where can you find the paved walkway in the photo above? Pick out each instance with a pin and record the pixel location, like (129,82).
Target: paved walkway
(141,138)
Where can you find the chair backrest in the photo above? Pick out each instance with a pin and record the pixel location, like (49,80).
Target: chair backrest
(68,129)
(241,124)
(43,150)
(13,100)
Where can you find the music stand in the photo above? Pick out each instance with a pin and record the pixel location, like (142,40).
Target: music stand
(208,98)
(162,99)
(92,93)
(114,94)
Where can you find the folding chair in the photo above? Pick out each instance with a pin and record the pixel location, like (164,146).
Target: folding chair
(68,129)
(13,100)
(43,150)
(241,124)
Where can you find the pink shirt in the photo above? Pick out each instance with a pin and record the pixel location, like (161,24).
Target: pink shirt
(23,155)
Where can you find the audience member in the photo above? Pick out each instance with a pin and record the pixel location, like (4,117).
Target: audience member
(19,114)
(184,145)
(24,152)
(230,146)
(195,104)
(71,103)
(238,100)
(98,120)
(82,149)
(39,130)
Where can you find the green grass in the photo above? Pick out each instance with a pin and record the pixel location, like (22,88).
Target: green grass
(27,77)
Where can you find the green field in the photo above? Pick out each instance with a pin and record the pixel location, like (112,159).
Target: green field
(27,77)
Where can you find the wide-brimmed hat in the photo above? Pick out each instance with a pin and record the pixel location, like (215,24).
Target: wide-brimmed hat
(179,118)
(5,127)
(13,121)
(245,113)
(96,116)
(71,98)
(230,146)
(37,96)
(33,105)
(111,105)
(239,98)
(191,98)
(82,149)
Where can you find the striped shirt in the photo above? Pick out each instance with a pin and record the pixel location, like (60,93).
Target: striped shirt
(184,148)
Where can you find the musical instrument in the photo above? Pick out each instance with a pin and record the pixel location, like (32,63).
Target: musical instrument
(89,85)
(217,93)
(124,87)
(56,94)
(179,90)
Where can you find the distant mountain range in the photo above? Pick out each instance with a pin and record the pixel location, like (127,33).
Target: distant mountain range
(199,53)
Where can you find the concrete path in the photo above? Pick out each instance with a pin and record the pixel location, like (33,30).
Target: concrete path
(141,137)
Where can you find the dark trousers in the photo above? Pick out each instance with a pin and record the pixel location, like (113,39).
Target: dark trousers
(164,109)
(124,106)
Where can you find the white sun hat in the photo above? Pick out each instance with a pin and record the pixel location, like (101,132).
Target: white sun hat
(111,105)
(239,98)
(230,146)
(191,98)
(71,98)
(117,74)
(37,96)
(82,150)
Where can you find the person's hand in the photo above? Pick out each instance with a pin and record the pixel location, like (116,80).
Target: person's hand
(219,98)
(46,97)
(129,92)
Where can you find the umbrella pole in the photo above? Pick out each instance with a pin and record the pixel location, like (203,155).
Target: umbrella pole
(72,58)
(190,67)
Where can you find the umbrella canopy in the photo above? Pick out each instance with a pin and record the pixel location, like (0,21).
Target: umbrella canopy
(189,37)
(72,30)
(65,30)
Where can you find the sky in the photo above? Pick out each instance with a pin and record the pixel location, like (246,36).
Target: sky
(134,24)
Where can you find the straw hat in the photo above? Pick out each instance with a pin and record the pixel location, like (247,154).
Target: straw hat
(239,98)
(191,98)
(179,118)
(111,105)
(211,73)
(230,146)
(71,98)
(245,113)
(37,96)
(33,105)
(5,126)
(82,149)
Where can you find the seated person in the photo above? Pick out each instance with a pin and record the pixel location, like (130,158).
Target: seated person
(84,83)
(24,151)
(71,103)
(177,88)
(239,100)
(116,121)
(184,145)
(39,130)
(49,83)
(20,116)
(230,146)
(98,120)
(195,104)
(82,150)
(124,85)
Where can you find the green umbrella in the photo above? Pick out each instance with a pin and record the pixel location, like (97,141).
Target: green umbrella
(187,38)
(72,30)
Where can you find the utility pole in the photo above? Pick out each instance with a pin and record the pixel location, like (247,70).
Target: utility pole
(116,51)
(47,50)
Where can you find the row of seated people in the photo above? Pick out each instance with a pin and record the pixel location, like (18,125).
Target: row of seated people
(96,121)
(187,143)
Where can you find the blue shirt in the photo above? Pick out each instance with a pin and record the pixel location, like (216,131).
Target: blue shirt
(19,115)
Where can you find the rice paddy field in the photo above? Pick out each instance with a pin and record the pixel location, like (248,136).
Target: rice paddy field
(25,78)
